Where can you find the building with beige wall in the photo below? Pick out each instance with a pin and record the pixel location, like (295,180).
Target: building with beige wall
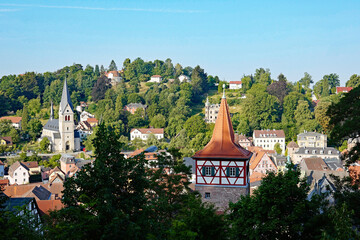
(312,139)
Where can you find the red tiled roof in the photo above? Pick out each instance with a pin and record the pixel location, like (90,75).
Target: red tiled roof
(32,164)
(254,161)
(222,143)
(343,89)
(45,206)
(149,130)
(22,190)
(155,76)
(93,120)
(12,119)
(4,182)
(256,176)
(235,82)
(264,133)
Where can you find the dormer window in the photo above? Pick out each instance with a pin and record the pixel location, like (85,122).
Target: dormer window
(330,152)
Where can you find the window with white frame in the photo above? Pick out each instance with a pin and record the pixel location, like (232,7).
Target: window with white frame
(207,171)
(232,172)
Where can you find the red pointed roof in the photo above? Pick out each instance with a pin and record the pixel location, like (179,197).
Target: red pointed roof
(222,145)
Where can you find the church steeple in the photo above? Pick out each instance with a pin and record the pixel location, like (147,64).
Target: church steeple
(65,98)
(51,111)
(222,143)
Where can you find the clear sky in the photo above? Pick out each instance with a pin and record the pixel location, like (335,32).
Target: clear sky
(226,38)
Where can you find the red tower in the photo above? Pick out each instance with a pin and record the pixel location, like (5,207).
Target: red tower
(222,166)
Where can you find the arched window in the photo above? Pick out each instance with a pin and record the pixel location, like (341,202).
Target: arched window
(66,118)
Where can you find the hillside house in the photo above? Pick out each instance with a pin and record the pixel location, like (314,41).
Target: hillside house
(15,121)
(114,77)
(235,85)
(144,133)
(343,89)
(155,79)
(132,107)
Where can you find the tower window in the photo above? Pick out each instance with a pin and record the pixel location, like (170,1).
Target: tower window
(208,171)
(207,195)
(232,172)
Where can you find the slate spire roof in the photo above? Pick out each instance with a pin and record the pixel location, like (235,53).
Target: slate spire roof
(222,145)
(65,98)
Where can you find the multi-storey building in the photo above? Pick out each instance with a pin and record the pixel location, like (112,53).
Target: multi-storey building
(211,111)
(222,166)
(323,153)
(268,138)
(312,139)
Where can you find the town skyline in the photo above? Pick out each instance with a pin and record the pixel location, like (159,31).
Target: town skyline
(229,40)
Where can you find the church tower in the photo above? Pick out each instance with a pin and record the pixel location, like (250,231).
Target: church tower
(66,121)
(222,166)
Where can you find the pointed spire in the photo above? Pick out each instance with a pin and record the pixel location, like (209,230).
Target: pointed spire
(65,98)
(51,111)
(222,145)
(207,101)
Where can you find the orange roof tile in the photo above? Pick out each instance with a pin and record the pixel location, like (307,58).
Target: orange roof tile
(343,89)
(45,206)
(12,119)
(32,164)
(222,143)
(93,120)
(256,176)
(235,82)
(254,161)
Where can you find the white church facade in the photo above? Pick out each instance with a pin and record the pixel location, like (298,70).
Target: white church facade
(61,132)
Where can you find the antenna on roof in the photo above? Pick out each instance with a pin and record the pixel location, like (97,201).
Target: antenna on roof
(224,91)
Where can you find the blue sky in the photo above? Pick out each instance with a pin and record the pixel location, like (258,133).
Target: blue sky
(226,38)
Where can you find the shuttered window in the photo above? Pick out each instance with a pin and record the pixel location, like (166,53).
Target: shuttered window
(208,171)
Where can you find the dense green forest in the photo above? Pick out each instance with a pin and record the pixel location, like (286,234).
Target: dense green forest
(177,107)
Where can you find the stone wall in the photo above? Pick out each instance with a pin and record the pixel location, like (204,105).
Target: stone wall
(221,196)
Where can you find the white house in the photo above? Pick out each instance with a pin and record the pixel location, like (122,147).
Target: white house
(235,85)
(183,78)
(144,133)
(18,173)
(114,77)
(155,78)
(15,121)
(268,138)
(85,115)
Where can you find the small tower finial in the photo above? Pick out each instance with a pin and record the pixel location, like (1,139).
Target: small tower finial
(224,91)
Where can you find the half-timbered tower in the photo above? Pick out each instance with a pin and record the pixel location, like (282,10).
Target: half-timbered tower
(222,166)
